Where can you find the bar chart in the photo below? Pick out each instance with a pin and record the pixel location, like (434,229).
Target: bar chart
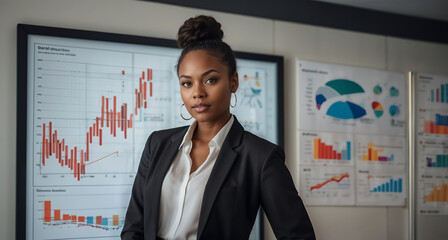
(378,188)
(437,161)
(326,148)
(438,194)
(373,154)
(324,151)
(379,151)
(437,126)
(82,211)
(440,94)
(388,185)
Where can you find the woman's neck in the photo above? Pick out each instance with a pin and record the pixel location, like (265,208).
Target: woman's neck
(206,131)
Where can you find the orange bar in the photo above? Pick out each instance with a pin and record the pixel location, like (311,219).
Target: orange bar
(82,156)
(57,215)
(98,220)
(102,111)
(115,220)
(79,171)
(146,104)
(66,155)
(143,74)
(74,218)
(43,145)
(75,162)
(130,121)
(144,90)
(140,86)
(107,112)
(97,126)
(81,219)
(50,132)
(47,211)
(118,120)
(65,217)
(90,134)
(115,114)
(47,146)
(125,123)
(101,137)
(122,118)
(122,72)
(87,148)
(149,74)
(136,101)
(70,163)
(54,142)
(316,148)
(150,89)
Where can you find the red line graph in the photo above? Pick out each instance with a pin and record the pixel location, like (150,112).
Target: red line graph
(333,179)
(54,146)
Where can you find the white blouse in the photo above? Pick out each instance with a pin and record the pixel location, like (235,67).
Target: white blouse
(182,192)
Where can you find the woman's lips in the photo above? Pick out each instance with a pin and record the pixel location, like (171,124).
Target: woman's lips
(199,108)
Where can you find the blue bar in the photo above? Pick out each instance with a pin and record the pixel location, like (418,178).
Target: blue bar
(105,221)
(383,188)
(89,220)
(446,92)
(400,185)
(391,157)
(395,186)
(432,95)
(348,151)
(391,184)
(387,187)
(442,93)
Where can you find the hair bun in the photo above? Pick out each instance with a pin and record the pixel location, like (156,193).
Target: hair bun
(198,29)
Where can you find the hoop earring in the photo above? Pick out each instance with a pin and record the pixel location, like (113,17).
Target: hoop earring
(180,112)
(236,101)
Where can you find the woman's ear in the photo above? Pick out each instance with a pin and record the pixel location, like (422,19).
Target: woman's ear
(234,83)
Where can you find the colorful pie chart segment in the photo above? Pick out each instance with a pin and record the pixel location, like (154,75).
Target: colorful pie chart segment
(334,88)
(377,109)
(346,110)
(394,110)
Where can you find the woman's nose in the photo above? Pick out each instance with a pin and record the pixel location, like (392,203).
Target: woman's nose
(199,91)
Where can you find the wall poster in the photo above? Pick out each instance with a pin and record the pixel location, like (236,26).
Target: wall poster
(352,135)
(431,147)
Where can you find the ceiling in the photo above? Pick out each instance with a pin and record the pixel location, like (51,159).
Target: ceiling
(430,9)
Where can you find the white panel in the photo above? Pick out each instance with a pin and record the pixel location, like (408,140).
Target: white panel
(349,222)
(409,55)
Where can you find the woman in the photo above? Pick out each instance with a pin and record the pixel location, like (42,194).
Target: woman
(207,181)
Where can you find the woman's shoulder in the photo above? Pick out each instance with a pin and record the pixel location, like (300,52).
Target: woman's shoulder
(261,145)
(167,134)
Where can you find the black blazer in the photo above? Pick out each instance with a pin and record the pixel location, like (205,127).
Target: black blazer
(249,171)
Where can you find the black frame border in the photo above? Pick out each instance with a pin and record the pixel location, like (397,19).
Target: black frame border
(329,15)
(23,30)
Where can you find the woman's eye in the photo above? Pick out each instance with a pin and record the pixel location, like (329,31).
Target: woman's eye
(186,84)
(210,80)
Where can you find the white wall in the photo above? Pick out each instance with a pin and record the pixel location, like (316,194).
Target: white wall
(243,33)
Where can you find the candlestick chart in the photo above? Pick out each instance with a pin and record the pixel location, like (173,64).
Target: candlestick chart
(92,118)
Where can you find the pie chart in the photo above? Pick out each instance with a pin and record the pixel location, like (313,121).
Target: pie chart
(377,109)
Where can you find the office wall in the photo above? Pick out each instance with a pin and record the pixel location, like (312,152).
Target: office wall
(243,33)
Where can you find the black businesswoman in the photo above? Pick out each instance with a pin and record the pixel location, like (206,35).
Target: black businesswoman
(207,180)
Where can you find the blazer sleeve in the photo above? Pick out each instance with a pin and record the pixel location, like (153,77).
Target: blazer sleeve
(134,224)
(280,200)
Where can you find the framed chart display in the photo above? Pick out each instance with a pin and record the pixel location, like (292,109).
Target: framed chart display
(86,103)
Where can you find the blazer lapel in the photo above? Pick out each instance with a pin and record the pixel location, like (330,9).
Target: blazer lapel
(223,164)
(155,182)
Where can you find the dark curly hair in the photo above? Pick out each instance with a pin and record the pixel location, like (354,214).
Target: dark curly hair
(204,33)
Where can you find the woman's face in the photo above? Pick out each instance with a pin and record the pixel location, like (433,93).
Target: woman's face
(205,86)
